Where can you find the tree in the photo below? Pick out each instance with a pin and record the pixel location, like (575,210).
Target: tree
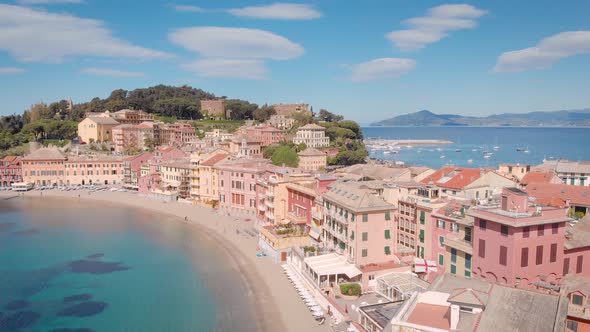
(329,116)
(302,119)
(240,109)
(180,108)
(349,124)
(36,129)
(263,113)
(336,133)
(284,155)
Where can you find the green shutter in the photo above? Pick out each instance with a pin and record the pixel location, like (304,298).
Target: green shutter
(453,269)
(422,217)
(441,260)
(468,274)
(421,236)
(468,261)
(387,215)
(352,235)
(387,251)
(387,234)
(453,255)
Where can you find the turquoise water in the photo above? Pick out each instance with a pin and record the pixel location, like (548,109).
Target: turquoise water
(542,143)
(104,268)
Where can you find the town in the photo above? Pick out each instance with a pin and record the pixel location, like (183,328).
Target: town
(368,246)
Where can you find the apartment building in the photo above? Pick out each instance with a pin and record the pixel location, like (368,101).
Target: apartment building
(312,135)
(237,184)
(10,171)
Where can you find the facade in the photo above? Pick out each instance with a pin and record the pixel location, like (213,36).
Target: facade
(574,173)
(516,170)
(266,135)
(312,135)
(214,108)
(281,121)
(44,167)
(88,170)
(134,137)
(96,129)
(127,116)
(175,176)
(237,184)
(519,244)
(10,171)
(312,160)
(132,169)
(205,176)
(575,293)
(176,134)
(242,147)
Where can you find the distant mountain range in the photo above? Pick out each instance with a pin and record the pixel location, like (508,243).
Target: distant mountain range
(566,118)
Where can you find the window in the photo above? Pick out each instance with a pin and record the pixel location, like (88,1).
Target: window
(572,325)
(482,248)
(365,236)
(364,253)
(526,231)
(577,299)
(453,269)
(468,234)
(455,227)
(540,230)
(387,250)
(566,266)
(468,261)
(524,257)
(441,241)
(441,259)
(365,217)
(555,228)
(422,217)
(539,259)
(503,255)
(440,224)
(387,234)
(580,261)
(553,253)
(387,215)
(504,230)
(482,225)
(453,255)
(352,235)
(467,274)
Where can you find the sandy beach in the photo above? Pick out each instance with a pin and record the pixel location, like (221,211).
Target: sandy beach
(276,303)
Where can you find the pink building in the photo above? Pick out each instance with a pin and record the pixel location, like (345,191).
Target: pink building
(300,201)
(133,136)
(132,169)
(266,135)
(177,134)
(237,184)
(10,171)
(518,243)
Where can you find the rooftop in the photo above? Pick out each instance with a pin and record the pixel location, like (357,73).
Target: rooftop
(382,313)
(432,315)
(358,200)
(376,172)
(566,166)
(311,152)
(45,154)
(578,235)
(454,177)
(577,195)
(215,159)
(311,126)
(103,120)
(537,177)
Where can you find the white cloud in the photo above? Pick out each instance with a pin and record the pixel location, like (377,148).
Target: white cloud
(11,70)
(32,35)
(381,68)
(111,72)
(234,52)
(229,68)
(236,43)
(545,53)
(46,2)
(278,11)
(188,8)
(435,26)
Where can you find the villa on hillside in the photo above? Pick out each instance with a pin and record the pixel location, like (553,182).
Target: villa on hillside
(312,135)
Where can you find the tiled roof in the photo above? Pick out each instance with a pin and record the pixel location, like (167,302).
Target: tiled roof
(46,154)
(564,166)
(312,126)
(311,152)
(215,159)
(454,177)
(537,177)
(578,235)
(356,199)
(104,120)
(577,195)
(377,172)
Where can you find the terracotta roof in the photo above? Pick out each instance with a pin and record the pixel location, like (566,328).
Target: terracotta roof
(577,195)
(312,126)
(10,159)
(454,177)
(215,159)
(431,315)
(46,154)
(311,152)
(537,177)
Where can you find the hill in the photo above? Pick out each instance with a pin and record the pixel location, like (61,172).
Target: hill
(565,118)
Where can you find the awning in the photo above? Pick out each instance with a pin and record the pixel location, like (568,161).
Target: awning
(331,264)
(314,235)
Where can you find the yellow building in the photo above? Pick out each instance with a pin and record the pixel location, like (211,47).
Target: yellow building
(96,129)
(204,179)
(312,160)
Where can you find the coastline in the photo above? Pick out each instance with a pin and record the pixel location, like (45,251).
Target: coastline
(276,305)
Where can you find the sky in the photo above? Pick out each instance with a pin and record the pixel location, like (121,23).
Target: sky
(367,60)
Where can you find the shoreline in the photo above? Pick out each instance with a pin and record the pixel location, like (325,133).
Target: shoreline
(267,288)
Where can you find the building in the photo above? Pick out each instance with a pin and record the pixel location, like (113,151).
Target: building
(288,110)
(237,184)
(44,167)
(312,135)
(517,171)
(266,135)
(242,147)
(301,199)
(359,226)
(132,169)
(468,183)
(205,176)
(134,136)
(368,172)
(573,173)
(518,243)
(96,129)
(176,134)
(577,248)
(281,121)
(577,198)
(10,171)
(312,160)
(214,108)
(175,175)
(575,304)
(127,116)
(97,170)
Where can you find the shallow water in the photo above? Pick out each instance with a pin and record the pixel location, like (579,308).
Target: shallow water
(98,267)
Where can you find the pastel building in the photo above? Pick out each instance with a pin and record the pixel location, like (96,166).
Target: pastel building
(282,122)
(10,171)
(516,170)
(44,167)
(312,135)
(242,147)
(574,173)
(175,175)
(237,184)
(517,243)
(96,129)
(134,137)
(312,160)
(127,116)
(132,169)
(205,176)
(266,135)
(98,170)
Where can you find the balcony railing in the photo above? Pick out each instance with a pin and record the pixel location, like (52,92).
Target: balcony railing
(297,219)
(269,203)
(261,207)
(269,193)
(317,215)
(458,243)
(578,311)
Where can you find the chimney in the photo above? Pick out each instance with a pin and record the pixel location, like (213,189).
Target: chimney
(454,316)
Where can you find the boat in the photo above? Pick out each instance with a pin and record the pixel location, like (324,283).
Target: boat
(496,148)
(487,156)
(473,150)
(520,149)
(442,157)
(438,149)
(458,150)
(470,161)
(387,152)
(526,151)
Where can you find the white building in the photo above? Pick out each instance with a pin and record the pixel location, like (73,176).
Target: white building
(312,135)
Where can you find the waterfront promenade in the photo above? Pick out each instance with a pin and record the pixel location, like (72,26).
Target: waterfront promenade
(277,304)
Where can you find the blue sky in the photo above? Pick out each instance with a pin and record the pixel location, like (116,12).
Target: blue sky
(368,62)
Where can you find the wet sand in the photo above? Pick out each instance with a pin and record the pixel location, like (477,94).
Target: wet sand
(275,301)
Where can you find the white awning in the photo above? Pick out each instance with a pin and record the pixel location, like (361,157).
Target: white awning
(331,264)
(314,235)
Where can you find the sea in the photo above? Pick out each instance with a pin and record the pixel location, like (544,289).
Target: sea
(524,145)
(97,267)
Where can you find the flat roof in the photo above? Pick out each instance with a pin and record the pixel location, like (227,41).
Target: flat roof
(382,313)
(432,315)
(332,264)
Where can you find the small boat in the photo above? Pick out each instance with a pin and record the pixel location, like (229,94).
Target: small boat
(438,149)
(442,157)
(487,156)
(470,161)
(473,150)
(496,148)
(386,152)
(520,149)
(458,150)
(526,151)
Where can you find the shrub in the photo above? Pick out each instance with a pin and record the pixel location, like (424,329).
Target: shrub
(351,289)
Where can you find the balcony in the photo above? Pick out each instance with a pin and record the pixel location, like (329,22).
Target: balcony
(269,193)
(269,204)
(261,207)
(270,216)
(317,215)
(458,243)
(578,311)
(296,219)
